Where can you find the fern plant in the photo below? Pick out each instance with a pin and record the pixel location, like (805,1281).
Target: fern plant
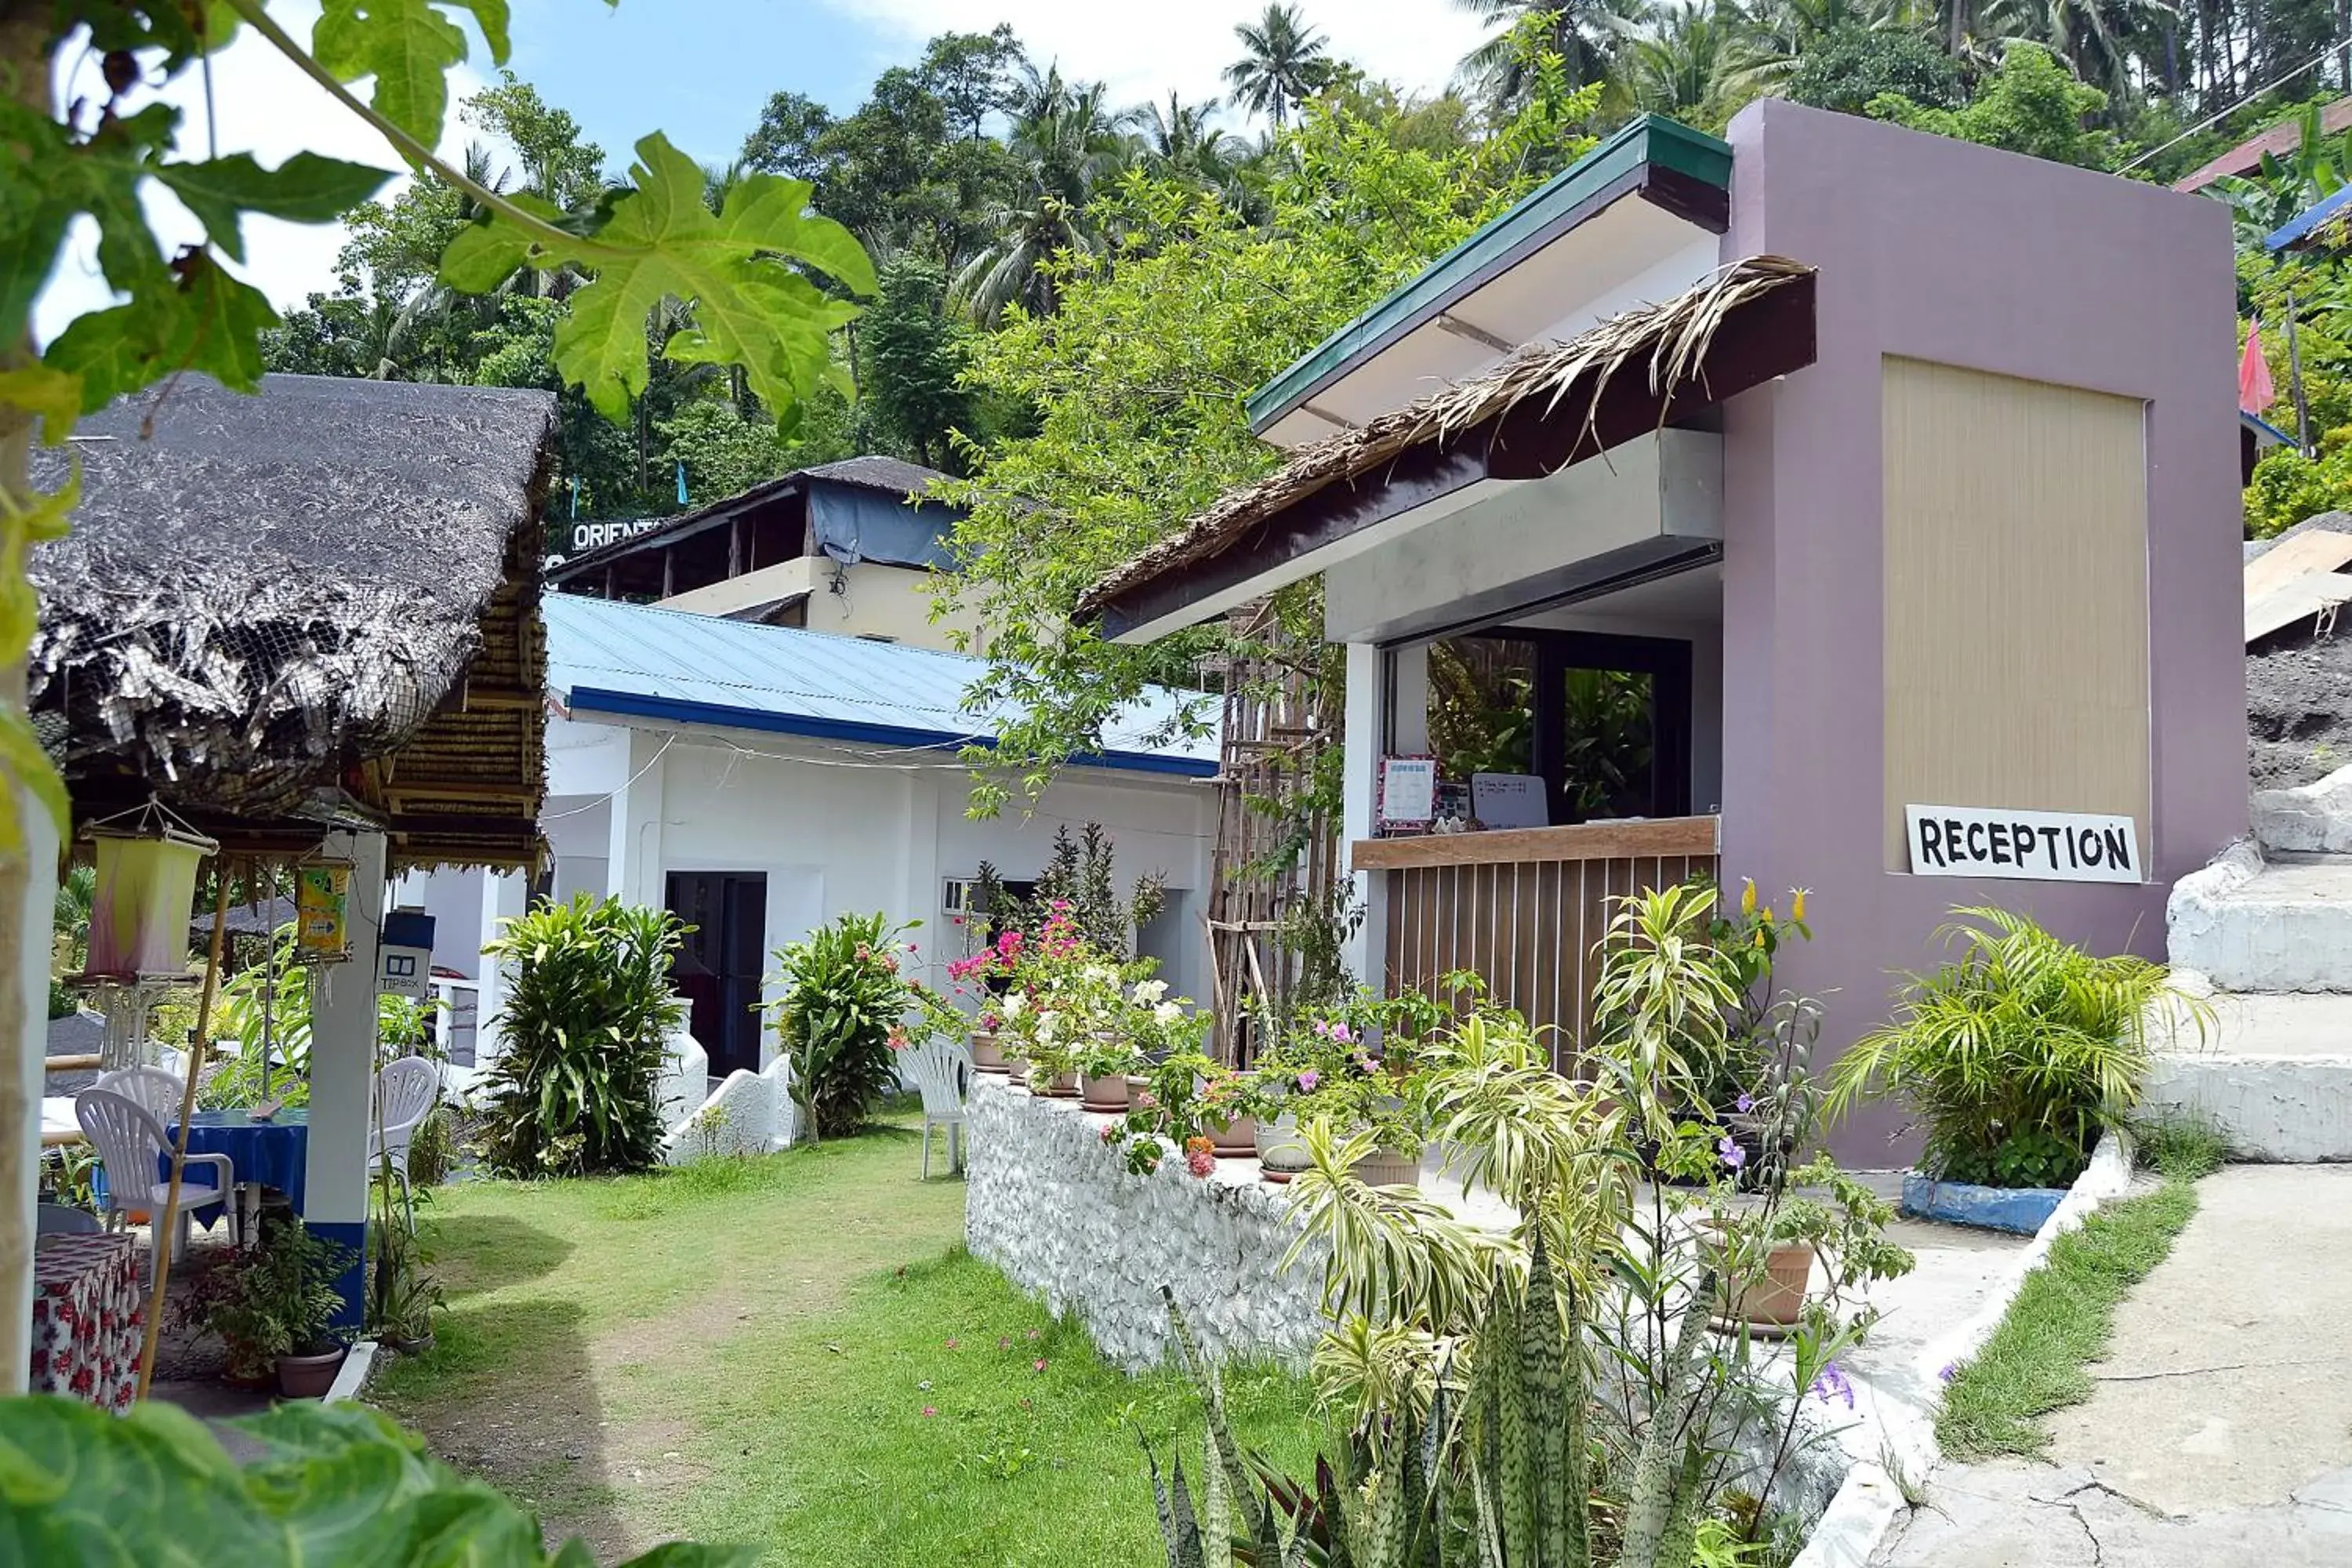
(2018,1053)
(586,1028)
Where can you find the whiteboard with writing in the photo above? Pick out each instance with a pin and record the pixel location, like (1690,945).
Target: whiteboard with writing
(2030,846)
(1509,800)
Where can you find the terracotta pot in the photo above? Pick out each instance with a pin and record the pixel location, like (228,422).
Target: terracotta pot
(1064,1086)
(1019,1070)
(1236,1140)
(1389,1168)
(1778,1300)
(309,1376)
(1107,1093)
(1279,1148)
(986,1053)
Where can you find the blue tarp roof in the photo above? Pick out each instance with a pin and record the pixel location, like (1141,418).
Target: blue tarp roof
(607,656)
(2301,225)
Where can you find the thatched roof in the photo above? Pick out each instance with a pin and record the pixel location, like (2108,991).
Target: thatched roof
(328,585)
(1669,341)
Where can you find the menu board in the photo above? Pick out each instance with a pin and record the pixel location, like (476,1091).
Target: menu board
(1408,795)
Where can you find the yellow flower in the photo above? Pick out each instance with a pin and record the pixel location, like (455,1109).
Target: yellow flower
(1796,905)
(1759,936)
(1766,916)
(1748,898)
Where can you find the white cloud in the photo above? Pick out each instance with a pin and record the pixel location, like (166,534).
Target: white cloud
(1142,51)
(263,106)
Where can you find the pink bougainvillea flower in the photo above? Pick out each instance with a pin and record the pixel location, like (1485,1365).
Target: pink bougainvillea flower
(929,1411)
(1110,1132)
(1143,1100)
(1308,1079)
(1340,1035)
(952,1343)
(1033,1333)
(1005,1342)
(1199,1164)
(1037,1365)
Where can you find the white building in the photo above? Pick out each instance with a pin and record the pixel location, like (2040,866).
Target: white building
(762,780)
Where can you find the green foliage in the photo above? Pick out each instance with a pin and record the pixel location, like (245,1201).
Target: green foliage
(586,1025)
(1140,379)
(274,1297)
(914,354)
(840,1018)
(2288,487)
(1851,63)
(2032,104)
(2017,1054)
(337,1487)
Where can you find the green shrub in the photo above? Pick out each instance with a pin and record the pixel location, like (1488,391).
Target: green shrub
(843,1001)
(586,1024)
(275,1296)
(337,1484)
(2016,1054)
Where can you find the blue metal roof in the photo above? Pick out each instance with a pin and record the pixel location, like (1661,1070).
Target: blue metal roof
(605,656)
(2300,226)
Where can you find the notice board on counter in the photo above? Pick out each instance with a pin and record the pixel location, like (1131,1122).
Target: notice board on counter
(1509,800)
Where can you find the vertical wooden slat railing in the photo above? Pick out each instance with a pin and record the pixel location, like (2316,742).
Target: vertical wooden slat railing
(1525,910)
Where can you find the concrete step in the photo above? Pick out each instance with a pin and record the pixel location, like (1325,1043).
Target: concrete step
(2274,1072)
(2253,925)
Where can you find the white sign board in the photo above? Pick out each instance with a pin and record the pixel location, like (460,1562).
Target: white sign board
(2034,845)
(1408,792)
(405,971)
(1509,800)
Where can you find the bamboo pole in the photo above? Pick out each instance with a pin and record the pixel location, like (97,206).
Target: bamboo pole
(160,1228)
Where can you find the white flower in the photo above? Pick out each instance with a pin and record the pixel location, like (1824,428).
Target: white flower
(1015,1002)
(1102,974)
(1167,1013)
(1150,991)
(1048,1025)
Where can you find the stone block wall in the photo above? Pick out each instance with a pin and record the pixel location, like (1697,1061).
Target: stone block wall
(1057,1209)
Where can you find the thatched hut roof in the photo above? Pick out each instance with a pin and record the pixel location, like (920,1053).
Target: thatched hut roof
(1668,342)
(326,587)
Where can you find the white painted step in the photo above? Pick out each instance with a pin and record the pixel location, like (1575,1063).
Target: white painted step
(2251,925)
(2273,1073)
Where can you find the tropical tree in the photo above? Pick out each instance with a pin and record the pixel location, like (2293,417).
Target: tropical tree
(1284,62)
(1584,34)
(1853,63)
(1066,143)
(1679,63)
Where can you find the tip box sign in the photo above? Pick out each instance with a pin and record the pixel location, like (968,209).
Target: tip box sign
(2034,845)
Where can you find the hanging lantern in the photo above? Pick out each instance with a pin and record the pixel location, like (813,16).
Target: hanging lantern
(146,891)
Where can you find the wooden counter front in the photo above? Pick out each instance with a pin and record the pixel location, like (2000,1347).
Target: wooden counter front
(1665,836)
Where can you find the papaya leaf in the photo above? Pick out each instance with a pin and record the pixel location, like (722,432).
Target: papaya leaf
(55,395)
(408,46)
(306,188)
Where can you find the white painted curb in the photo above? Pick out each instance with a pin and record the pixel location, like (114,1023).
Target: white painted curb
(353,1376)
(1868,1501)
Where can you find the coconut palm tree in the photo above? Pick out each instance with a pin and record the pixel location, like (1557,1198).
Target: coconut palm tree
(1776,34)
(1284,63)
(1681,61)
(1067,143)
(1585,33)
(1183,139)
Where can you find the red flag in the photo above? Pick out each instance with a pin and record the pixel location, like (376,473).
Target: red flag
(2254,390)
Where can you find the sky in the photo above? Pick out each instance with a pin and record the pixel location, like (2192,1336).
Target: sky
(700,70)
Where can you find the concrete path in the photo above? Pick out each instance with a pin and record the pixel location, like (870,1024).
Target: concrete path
(2221,1433)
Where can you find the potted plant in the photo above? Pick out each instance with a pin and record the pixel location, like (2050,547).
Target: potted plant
(272,1306)
(1352,1066)
(402,1294)
(2014,1057)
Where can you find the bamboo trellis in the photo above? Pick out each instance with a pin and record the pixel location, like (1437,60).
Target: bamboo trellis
(1275,846)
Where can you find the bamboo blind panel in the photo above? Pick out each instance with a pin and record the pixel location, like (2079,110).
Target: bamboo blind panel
(1531,929)
(2016,596)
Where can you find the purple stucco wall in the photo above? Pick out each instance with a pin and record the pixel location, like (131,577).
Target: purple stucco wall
(1943,251)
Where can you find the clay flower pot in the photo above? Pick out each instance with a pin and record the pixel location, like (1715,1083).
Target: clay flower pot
(1107,1093)
(1064,1086)
(986,1053)
(1279,1151)
(1019,1071)
(1389,1168)
(1236,1140)
(309,1376)
(1778,1300)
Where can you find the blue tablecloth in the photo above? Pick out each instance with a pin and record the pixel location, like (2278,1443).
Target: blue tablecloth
(273,1153)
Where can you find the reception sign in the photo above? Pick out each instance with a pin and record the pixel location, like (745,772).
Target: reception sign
(2034,845)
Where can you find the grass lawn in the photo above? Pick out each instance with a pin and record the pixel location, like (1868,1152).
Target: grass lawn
(793,1352)
(2064,1315)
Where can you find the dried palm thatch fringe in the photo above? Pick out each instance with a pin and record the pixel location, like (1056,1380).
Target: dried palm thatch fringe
(263,591)
(1673,338)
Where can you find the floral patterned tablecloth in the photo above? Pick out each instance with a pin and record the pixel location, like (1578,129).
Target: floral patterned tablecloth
(88,1302)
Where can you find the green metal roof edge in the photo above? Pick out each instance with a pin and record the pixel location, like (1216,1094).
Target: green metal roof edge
(1647,139)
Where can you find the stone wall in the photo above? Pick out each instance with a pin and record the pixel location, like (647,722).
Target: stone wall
(1057,1209)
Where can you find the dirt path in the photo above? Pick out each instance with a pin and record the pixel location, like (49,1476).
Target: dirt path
(583,1314)
(2220,1432)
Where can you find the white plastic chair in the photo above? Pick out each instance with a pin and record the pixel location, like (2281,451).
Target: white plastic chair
(157,1092)
(941,1071)
(130,1145)
(405,1092)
